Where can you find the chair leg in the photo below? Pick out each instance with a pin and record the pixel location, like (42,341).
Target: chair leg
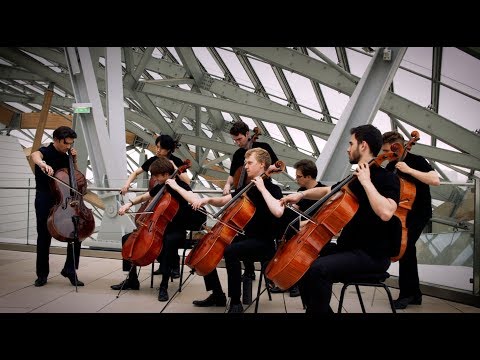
(342,294)
(266,284)
(183,260)
(258,291)
(151,275)
(360,298)
(389,294)
(181,271)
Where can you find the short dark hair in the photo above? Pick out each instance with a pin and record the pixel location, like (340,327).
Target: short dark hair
(166,142)
(63,132)
(370,134)
(307,167)
(161,166)
(239,127)
(391,137)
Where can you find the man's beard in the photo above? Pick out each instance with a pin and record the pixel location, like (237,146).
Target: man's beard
(354,157)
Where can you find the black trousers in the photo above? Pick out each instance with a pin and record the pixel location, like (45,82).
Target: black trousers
(241,249)
(334,266)
(167,258)
(43,204)
(408,280)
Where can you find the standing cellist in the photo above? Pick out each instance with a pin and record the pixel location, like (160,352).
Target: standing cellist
(417,170)
(366,241)
(161,170)
(49,159)
(258,241)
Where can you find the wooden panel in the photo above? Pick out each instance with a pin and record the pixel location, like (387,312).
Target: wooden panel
(6,115)
(30,120)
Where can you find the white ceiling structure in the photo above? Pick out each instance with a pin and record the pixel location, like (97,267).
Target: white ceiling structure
(294,95)
(229,84)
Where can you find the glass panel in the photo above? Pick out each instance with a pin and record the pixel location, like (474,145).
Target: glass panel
(445,248)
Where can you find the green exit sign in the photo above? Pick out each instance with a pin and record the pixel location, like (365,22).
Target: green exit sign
(82,110)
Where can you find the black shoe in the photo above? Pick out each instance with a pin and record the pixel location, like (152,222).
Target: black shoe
(157,272)
(250,275)
(71,277)
(212,300)
(42,280)
(294,291)
(276,290)
(129,285)
(162,294)
(175,273)
(403,302)
(235,308)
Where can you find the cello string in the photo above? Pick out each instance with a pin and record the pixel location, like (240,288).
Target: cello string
(64,183)
(301,213)
(237,230)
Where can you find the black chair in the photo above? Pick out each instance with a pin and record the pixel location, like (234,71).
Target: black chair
(259,288)
(187,244)
(368,280)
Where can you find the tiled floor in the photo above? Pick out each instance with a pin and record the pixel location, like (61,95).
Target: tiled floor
(19,295)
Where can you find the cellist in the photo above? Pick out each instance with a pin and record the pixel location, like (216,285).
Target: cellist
(165,146)
(49,159)
(161,170)
(240,134)
(258,241)
(417,170)
(366,241)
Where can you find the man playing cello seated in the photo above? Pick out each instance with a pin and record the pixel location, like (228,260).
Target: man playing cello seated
(365,243)
(162,169)
(258,242)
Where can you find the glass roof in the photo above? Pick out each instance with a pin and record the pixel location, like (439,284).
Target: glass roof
(443,80)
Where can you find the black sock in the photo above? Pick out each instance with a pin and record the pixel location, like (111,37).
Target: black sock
(218,293)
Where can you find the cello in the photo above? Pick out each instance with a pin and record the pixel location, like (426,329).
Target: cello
(145,244)
(70,219)
(293,258)
(407,197)
(236,214)
(240,174)
(151,184)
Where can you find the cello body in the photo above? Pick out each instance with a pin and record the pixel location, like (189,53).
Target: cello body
(293,259)
(151,184)
(407,197)
(206,255)
(236,214)
(145,244)
(69,204)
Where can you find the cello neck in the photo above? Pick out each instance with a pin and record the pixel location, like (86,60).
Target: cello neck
(71,174)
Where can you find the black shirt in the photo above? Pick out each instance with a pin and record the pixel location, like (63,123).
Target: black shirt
(289,216)
(366,230)
(239,156)
(422,206)
(263,223)
(176,160)
(55,159)
(179,222)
